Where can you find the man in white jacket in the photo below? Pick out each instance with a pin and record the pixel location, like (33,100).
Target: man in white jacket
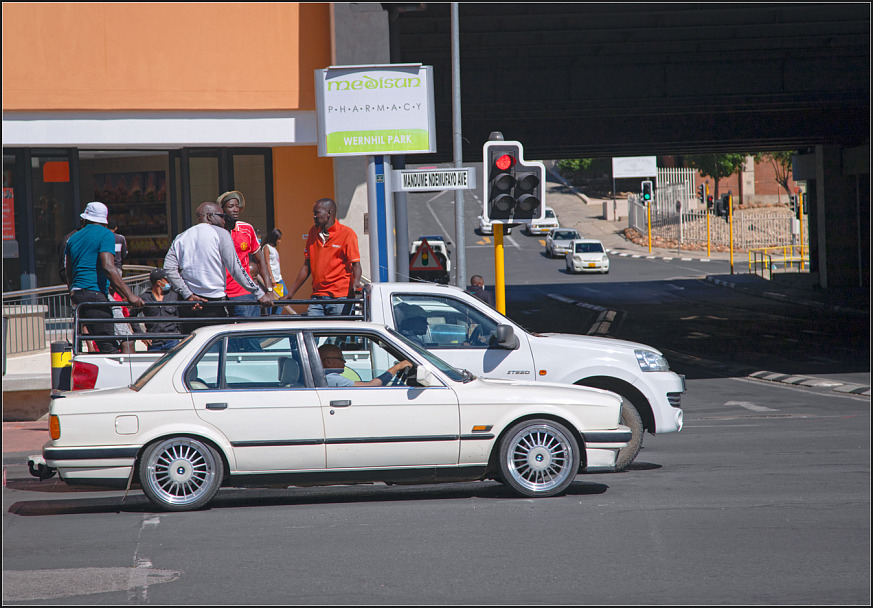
(196,263)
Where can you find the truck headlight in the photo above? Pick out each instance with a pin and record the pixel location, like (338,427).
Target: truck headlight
(651,361)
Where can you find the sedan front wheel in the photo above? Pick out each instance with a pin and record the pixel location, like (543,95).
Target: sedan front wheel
(539,458)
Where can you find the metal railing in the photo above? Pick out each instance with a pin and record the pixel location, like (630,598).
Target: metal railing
(764,261)
(37,317)
(751,228)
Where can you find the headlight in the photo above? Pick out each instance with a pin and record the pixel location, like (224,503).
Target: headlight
(651,361)
(604,259)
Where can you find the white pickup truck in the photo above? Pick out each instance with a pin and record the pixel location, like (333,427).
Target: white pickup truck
(469,334)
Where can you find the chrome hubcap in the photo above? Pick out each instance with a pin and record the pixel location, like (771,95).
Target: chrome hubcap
(540,458)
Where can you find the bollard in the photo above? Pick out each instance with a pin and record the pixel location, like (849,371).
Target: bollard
(62,366)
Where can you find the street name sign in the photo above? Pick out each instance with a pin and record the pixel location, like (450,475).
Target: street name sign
(427,180)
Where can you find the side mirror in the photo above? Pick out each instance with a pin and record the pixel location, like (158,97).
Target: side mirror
(505,337)
(424,377)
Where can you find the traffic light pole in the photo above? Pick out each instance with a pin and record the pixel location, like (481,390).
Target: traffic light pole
(381,213)
(460,237)
(731,227)
(499,270)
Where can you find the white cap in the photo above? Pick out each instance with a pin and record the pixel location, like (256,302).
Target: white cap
(96,212)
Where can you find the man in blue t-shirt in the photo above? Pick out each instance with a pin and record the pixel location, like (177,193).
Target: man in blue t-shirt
(90,264)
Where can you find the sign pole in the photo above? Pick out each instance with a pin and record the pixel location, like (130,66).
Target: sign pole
(381,217)
(731,227)
(460,240)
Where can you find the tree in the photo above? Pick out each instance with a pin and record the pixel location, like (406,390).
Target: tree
(781,163)
(717,166)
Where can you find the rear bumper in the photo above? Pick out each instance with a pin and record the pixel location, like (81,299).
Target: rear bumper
(103,466)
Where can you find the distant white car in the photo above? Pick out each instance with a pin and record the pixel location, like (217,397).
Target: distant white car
(543,226)
(209,413)
(587,255)
(486,227)
(558,241)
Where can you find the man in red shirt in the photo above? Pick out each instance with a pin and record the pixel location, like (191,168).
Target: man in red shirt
(245,240)
(331,256)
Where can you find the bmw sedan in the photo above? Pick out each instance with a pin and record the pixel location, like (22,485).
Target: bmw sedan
(323,402)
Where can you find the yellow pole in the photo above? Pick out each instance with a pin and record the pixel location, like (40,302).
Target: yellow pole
(731,227)
(649,221)
(800,202)
(499,282)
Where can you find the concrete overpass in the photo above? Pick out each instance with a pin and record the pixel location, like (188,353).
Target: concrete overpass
(601,80)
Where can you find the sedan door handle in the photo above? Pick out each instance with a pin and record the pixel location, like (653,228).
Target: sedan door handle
(341,403)
(216,406)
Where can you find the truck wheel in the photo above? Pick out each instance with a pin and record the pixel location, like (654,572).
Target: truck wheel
(180,473)
(538,458)
(630,417)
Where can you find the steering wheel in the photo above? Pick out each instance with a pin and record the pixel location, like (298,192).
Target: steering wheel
(475,338)
(401,377)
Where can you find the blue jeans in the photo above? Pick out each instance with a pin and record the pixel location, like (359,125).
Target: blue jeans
(244,311)
(162,345)
(326,309)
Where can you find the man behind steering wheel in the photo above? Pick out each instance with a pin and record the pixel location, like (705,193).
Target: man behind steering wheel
(331,355)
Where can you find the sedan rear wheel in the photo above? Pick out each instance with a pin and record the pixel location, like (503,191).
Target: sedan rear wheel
(180,473)
(539,458)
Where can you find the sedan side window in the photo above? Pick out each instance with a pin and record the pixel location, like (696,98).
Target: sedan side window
(441,322)
(272,362)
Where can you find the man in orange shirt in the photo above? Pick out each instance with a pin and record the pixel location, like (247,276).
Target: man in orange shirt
(331,256)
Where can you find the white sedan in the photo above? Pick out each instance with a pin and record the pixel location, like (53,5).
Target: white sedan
(587,255)
(543,226)
(559,240)
(486,227)
(315,402)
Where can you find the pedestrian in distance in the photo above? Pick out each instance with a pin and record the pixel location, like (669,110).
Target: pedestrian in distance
(246,243)
(197,264)
(477,289)
(89,260)
(274,268)
(161,291)
(331,256)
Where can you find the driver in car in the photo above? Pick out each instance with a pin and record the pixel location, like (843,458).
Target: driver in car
(333,362)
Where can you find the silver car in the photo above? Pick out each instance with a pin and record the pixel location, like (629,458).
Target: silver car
(558,241)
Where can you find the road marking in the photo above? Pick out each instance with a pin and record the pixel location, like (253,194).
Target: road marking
(140,575)
(751,406)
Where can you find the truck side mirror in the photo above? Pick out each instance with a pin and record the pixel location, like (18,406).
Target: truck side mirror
(505,337)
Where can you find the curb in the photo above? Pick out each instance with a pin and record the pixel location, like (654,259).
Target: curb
(657,257)
(836,385)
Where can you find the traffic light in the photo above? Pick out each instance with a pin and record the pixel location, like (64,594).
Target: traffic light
(794,205)
(709,202)
(700,193)
(514,188)
(647,190)
(721,207)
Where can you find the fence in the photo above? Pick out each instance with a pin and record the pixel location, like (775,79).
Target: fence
(752,228)
(37,317)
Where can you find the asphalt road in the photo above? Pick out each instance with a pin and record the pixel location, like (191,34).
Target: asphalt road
(762,498)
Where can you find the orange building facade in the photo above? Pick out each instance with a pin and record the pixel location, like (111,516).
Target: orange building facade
(153,108)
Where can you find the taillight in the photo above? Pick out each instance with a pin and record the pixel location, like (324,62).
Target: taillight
(84,375)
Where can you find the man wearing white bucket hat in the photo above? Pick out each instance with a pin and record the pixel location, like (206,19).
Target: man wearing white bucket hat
(90,263)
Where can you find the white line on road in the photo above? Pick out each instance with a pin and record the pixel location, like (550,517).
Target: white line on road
(751,406)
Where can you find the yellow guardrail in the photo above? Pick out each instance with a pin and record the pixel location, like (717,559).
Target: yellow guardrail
(765,259)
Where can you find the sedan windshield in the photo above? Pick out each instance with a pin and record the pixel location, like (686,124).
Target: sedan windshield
(566,235)
(589,248)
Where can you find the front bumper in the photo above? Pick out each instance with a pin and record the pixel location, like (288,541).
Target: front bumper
(589,266)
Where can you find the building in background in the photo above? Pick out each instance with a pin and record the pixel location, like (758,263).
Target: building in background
(153,108)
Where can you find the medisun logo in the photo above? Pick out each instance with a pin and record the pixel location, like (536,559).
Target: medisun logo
(409,82)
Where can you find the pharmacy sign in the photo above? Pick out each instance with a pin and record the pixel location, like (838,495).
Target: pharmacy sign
(375,109)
